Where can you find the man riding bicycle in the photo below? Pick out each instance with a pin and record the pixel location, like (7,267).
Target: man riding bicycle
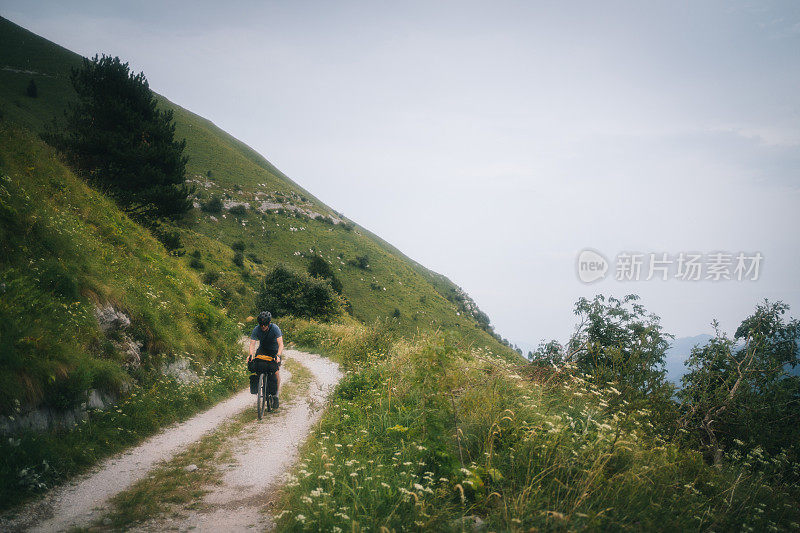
(267,337)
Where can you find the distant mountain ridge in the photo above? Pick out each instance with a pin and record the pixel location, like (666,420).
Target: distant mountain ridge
(678,353)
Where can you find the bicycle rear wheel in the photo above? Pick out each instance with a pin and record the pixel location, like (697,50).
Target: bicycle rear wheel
(262,393)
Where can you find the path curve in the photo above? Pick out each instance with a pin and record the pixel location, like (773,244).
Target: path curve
(82,501)
(264,452)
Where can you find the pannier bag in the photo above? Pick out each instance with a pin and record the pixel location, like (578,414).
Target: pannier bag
(253,383)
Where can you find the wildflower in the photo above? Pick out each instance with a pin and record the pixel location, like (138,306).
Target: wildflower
(300,518)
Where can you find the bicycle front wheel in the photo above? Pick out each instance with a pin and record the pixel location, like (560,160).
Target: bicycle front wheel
(262,395)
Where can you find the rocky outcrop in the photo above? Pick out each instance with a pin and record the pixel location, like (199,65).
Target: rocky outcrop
(110,319)
(114,324)
(181,371)
(43,419)
(273,206)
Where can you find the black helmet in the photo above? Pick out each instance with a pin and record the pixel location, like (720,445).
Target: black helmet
(264,318)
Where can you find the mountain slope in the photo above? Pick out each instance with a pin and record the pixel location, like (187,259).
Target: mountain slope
(277,220)
(92,302)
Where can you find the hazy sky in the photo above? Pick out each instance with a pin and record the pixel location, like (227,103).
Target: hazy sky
(493,141)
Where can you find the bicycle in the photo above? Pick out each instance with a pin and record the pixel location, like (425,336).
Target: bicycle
(265,398)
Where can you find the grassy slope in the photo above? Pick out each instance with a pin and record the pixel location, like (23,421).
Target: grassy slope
(423,298)
(66,249)
(420,434)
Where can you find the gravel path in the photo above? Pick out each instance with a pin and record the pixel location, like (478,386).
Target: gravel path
(81,502)
(264,452)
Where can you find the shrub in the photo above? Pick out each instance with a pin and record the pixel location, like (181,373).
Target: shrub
(196,263)
(171,239)
(31,90)
(213,205)
(238,210)
(238,246)
(320,268)
(737,387)
(361,261)
(286,292)
(618,341)
(238,259)
(396,313)
(210,277)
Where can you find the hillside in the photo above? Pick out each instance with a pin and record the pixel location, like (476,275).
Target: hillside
(97,312)
(277,220)
(91,301)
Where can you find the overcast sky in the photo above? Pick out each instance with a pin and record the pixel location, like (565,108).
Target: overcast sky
(493,141)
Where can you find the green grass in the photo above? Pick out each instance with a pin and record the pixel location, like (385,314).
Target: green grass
(422,433)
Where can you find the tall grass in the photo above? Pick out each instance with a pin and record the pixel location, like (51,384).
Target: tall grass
(422,433)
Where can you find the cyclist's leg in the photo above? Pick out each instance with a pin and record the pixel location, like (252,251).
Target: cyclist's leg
(277,381)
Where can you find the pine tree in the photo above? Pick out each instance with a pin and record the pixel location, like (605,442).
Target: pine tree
(119,139)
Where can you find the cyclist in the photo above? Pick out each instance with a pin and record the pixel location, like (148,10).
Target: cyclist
(268,340)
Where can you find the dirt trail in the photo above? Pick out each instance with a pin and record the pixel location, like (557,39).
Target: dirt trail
(235,505)
(264,452)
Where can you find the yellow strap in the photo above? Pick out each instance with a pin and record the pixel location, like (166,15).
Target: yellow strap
(265,357)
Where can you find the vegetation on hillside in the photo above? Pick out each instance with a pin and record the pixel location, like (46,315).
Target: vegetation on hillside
(738,393)
(429,434)
(118,139)
(248,200)
(285,293)
(72,254)
(67,254)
